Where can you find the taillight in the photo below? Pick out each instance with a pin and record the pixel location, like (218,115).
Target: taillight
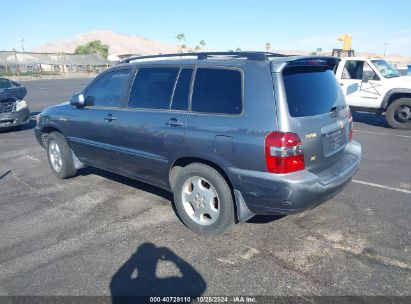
(283,152)
(351,125)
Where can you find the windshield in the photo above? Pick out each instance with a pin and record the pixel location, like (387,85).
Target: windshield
(386,69)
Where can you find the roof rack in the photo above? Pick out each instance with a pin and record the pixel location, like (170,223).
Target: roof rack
(260,56)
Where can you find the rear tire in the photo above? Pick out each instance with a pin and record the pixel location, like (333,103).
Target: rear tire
(398,114)
(203,200)
(59,156)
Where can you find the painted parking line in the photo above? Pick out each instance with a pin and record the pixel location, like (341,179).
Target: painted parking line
(32,158)
(370,132)
(381,186)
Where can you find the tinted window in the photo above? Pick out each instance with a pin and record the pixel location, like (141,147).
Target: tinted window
(217,91)
(5,83)
(152,88)
(108,90)
(182,91)
(311,91)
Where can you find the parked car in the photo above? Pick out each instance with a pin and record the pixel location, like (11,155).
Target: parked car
(373,85)
(13,109)
(232,135)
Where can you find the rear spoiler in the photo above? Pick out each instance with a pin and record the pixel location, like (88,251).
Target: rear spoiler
(326,62)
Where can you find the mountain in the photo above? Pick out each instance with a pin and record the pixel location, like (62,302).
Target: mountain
(119,44)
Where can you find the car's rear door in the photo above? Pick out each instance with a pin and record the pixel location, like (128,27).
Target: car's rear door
(151,129)
(91,129)
(315,109)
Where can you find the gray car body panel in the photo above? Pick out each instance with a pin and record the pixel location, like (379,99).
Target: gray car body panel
(140,145)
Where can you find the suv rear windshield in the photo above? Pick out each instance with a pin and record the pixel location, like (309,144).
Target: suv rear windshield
(311,91)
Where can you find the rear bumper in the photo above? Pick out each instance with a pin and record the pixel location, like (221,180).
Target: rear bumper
(14,119)
(267,193)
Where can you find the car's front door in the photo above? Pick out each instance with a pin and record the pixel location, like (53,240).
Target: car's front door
(91,129)
(360,84)
(151,129)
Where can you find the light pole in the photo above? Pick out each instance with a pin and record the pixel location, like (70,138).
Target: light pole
(22,43)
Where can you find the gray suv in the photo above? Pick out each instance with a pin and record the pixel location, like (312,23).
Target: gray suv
(232,135)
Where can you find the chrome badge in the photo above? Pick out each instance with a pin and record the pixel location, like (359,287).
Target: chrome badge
(312,135)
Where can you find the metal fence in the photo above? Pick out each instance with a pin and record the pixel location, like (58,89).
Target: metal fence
(14,63)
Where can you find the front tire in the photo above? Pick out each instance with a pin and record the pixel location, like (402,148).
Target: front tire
(203,200)
(398,114)
(59,156)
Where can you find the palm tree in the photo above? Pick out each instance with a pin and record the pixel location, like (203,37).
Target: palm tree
(181,39)
(202,43)
(238,50)
(268,46)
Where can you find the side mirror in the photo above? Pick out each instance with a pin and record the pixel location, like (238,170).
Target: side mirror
(77,100)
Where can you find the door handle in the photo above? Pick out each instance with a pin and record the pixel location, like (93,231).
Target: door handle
(110,117)
(341,84)
(173,122)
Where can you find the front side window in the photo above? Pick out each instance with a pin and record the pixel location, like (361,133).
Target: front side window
(153,88)
(108,90)
(386,69)
(356,69)
(217,91)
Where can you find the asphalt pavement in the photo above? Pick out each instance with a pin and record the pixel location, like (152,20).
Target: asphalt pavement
(102,234)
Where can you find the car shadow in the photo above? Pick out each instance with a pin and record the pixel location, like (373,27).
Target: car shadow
(264,219)
(370,119)
(257,219)
(155,271)
(127,181)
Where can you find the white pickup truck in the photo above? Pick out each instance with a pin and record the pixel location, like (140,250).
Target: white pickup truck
(373,85)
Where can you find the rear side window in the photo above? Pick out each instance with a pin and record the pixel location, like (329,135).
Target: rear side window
(108,90)
(217,91)
(152,88)
(311,91)
(182,90)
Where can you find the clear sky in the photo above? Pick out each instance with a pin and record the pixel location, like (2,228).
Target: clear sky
(224,24)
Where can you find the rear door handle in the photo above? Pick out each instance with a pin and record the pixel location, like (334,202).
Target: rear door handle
(110,117)
(173,122)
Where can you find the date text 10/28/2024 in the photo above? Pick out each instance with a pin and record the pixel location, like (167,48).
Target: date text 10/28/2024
(234,299)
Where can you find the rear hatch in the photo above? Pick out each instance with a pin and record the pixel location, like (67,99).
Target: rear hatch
(317,111)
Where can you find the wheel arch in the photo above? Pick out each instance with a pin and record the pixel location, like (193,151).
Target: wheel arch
(393,95)
(184,161)
(241,211)
(45,131)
